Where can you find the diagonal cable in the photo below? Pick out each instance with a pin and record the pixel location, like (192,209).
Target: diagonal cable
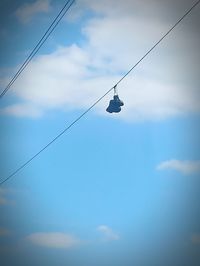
(46,35)
(95,103)
(158,42)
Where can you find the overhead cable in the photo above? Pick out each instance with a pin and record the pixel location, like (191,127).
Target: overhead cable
(94,104)
(46,35)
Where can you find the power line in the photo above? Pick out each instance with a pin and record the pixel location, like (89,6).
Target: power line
(46,35)
(53,140)
(156,44)
(84,113)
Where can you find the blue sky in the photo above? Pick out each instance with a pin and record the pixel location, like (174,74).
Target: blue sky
(117,189)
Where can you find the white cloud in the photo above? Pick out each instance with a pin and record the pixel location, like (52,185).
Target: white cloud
(74,77)
(22,110)
(27,11)
(53,240)
(133,7)
(184,167)
(108,233)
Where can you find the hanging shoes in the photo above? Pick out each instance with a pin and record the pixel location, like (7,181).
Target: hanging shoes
(115,104)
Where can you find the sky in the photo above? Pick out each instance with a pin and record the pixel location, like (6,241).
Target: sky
(116,189)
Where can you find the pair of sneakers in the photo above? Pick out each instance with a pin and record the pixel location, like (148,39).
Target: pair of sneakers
(115,105)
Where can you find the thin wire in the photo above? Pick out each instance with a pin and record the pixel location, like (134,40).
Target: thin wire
(52,141)
(39,45)
(84,113)
(156,44)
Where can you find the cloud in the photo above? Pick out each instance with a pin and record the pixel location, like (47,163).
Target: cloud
(73,77)
(27,11)
(4,232)
(184,167)
(54,240)
(130,7)
(108,233)
(22,110)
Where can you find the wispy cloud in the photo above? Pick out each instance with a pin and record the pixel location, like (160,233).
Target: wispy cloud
(74,77)
(54,240)
(108,233)
(184,167)
(22,110)
(27,11)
